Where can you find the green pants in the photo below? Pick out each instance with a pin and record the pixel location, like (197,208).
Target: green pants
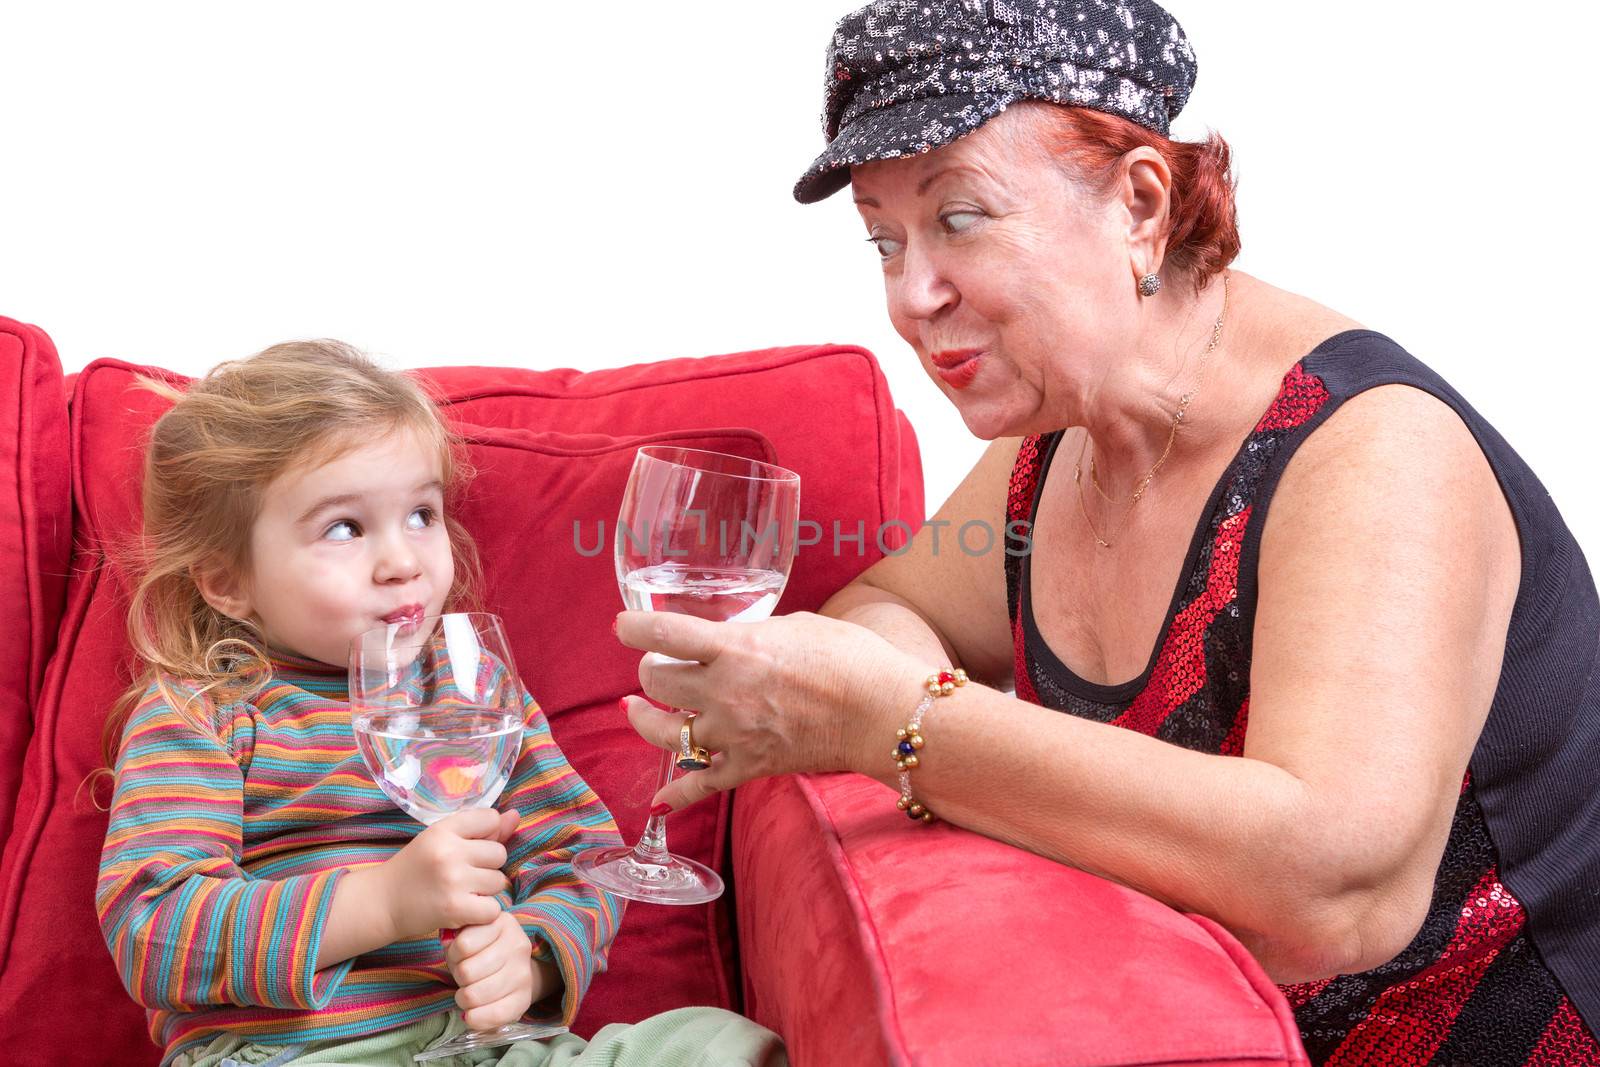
(687,1037)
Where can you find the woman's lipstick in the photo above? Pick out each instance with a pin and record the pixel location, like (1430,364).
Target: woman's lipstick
(957,366)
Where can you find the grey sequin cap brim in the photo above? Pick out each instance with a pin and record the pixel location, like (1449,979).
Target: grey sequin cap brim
(906,77)
(908,129)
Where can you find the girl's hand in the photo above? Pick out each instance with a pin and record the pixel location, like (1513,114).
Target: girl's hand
(797,693)
(448,874)
(493,966)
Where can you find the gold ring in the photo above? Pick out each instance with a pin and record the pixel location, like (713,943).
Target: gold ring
(691,757)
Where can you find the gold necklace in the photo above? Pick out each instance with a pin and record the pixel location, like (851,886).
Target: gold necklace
(1172,436)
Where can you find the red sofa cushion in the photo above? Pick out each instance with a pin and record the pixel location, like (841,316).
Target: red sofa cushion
(35,535)
(532,486)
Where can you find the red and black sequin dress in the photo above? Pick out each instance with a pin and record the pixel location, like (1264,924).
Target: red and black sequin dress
(1506,967)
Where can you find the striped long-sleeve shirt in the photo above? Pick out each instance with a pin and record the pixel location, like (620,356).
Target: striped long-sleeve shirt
(225,845)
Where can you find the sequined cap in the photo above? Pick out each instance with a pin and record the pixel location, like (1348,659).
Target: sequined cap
(908,76)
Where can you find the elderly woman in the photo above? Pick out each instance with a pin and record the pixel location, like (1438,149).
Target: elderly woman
(1296,640)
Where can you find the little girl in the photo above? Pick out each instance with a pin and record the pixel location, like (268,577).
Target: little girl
(259,894)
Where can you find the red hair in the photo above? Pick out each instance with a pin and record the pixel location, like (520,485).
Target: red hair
(1202,227)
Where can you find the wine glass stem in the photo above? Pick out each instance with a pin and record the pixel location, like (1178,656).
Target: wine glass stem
(652,846)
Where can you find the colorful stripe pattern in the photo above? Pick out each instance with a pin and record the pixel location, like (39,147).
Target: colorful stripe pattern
(225,846)
(1470,990)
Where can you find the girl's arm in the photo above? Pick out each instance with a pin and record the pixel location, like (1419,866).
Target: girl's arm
(354,926)
(570,922)
(185,925)
(445,877)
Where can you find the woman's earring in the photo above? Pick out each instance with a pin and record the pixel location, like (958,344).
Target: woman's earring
(1150,285)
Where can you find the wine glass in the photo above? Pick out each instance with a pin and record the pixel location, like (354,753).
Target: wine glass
(436,708)
(699,533)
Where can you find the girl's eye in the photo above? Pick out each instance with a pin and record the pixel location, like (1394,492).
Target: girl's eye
(421,519)
(343,530)
(956,221)
(886,246)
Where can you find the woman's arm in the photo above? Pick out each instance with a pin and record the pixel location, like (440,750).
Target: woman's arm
(937,599)
(1388,571)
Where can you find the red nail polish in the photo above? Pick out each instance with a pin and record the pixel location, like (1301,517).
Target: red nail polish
(660,809)
(622,705)
(613,625)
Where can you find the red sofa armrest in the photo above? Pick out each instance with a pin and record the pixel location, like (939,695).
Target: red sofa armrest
(869,940)
(35,537)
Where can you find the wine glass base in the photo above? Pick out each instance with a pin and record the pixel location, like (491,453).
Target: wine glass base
(624,872)
(476,1039)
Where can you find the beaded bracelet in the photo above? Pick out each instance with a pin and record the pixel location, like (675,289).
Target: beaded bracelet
(909,738)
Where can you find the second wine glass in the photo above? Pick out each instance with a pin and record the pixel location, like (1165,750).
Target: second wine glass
(705,534)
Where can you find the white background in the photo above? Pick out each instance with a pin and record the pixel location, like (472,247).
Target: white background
(591,185)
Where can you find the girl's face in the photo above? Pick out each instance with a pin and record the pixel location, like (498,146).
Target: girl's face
(349,545)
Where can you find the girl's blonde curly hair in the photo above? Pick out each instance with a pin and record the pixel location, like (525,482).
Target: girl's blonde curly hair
(210,457)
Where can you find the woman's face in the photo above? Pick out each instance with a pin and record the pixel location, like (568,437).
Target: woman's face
(1010,280)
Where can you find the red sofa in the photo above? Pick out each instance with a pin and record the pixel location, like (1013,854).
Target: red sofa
(861,938)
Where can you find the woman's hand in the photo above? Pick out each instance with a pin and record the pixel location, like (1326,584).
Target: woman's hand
(493,968)
(796,693)
(448,875)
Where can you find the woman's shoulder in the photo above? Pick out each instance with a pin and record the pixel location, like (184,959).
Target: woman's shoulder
(1285,325)
(1380,392)
(1388,441)
(1395,426)
(1397,457)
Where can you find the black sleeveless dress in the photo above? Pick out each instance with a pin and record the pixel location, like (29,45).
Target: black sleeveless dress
(1506,967)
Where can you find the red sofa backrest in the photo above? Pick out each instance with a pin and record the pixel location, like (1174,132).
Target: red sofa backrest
(549,452)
